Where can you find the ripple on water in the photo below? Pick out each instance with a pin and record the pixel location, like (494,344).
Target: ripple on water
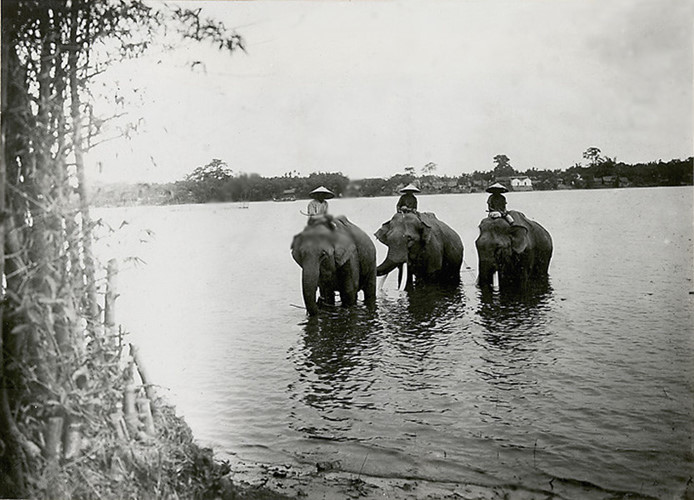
(582,388)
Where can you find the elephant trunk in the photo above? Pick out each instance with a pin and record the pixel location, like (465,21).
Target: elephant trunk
(386,266)
(309,284)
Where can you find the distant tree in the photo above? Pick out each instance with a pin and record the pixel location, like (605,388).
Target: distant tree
(502,161)
(373,187)
(216,170)
(604,167)
(210,182)
(429,168)
(410,170)
(593,156)
(503,166)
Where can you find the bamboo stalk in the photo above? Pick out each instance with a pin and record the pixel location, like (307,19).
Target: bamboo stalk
(129,407)
(145,411)
(92,305)
(146,381)
(110,300)
(52,436)
(72,442)
(119,424)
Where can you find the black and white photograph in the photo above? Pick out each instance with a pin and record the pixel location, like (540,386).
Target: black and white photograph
(347,249)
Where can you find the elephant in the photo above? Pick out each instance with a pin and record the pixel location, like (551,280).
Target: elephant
(518,252)
(432,250)
(335,256)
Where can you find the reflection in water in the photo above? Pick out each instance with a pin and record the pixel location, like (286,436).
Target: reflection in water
(422,318)
(514,328)
(335,346)
(506,313)
(490,389)
(419,327)
(429,304)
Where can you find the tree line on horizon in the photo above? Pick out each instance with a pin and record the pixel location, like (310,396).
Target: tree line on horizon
(216,182)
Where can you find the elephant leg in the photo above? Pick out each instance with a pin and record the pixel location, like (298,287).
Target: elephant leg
(370,291)
(542,262)
(327,296)
(348,278)
(527,269)
(450,274)
(525,275)
(507,280)
(348,298)
(348,294)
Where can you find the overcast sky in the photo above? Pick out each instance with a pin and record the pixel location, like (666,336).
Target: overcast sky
(369,87)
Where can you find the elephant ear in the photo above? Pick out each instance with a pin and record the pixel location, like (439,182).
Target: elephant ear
(295,248)
(344,249)
(433,246)
(519,238)
(382,232)
(428,221)
(426,229)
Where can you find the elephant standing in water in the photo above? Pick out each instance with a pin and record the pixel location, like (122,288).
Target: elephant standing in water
(432,250)
(335,256)
(518,252)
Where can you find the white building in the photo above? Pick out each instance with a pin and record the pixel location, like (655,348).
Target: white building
(517,182)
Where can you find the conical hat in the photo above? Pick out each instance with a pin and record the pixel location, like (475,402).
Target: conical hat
(497,188)
(410,187)
(321,191)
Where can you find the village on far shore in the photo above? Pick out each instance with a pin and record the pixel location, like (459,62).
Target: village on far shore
(217,182)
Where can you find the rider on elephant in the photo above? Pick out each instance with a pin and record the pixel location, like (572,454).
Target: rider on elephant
(408,201)
(318,206)
(496,203)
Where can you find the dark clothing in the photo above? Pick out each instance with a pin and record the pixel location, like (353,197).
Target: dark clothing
(496,203)
(407,200)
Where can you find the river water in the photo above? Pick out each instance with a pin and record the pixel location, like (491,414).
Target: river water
(584,389)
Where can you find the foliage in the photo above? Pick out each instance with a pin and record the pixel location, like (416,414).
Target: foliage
(216,182)
(503,166)
(57,360)
(592,154)
(209,182)
(253,187)
(429,168)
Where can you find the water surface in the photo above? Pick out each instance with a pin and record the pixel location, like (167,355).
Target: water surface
(584,388)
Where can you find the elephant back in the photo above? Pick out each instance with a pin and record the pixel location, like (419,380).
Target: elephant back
(539,236)
(519,219)
(430,219)
(365,246)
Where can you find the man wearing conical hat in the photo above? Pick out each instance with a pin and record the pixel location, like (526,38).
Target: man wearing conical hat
(496,203)
(318,205)
(408,201)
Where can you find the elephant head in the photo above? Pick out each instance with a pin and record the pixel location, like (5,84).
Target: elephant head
(408,237)
(500,247)
(321,251)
